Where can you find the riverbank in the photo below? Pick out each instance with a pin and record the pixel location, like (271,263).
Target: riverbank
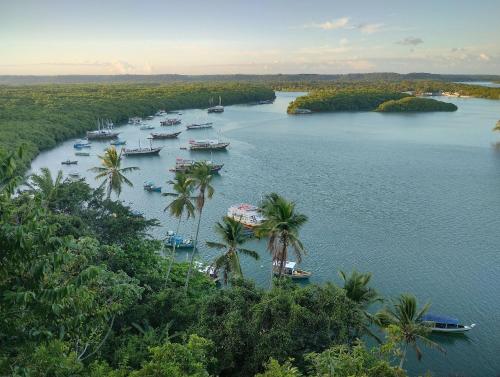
(41,116)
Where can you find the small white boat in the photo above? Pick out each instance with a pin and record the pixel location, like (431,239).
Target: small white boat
(290,269)
(146,128)
(443,324)
(246,214)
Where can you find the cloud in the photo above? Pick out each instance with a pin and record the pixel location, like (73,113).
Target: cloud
(484,57)
(458,49)
(340,23)
(410,41)
(367,28)
(344,42)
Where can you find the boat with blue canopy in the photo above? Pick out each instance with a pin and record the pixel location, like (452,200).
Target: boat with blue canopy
(179,241)
(441,323)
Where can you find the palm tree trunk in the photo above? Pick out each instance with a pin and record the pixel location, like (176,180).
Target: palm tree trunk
(195,244)
(283,256)
(403,357)
(172,257)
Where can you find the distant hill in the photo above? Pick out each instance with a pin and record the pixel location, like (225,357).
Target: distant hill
(276,78)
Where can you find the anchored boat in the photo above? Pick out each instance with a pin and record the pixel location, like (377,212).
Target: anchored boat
(160,136)
(69,162)
(170,122)
(247,214)
(146,127)
(216,109)
(183,165)
(151,187)
(118,142)
(104,131)
(82,154)
(179,241)
(440,323)
(142,151)
(81,144)
(207,145)
(199,126)
(290,270)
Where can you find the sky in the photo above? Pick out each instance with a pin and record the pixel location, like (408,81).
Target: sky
(59,37)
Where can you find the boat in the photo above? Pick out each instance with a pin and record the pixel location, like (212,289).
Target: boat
(81,144)
(104,131)
(179,241)
(156,135)
(151,187)
(170,122)
(74,174)
(69,162)
(183,165)
(208,270)
(199,126)
(150,117)
(118,142)
(142,151)
(207,145)
(134,120)
(82,154)
(444,324)
(146,127)
(160,112)
(216,109)
(247,214)
(266,101)
(302,111)
(290,270)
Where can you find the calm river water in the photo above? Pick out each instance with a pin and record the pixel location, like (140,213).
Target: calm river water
(413,198)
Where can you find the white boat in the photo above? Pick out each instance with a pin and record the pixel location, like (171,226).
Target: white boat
(207,145)
(146,127)
(444,324)
(290,269)
(302,111)
(210,271)
(216,109)
(135,120)
(247,214)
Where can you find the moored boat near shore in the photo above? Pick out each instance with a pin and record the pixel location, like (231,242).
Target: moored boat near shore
(69,162)
(444,324)
(170,122)
(151,187)
(199,126)
(290,269)
(140,151)
(183,165)
(207,145)
(160,136)
(247,214)
(179,241)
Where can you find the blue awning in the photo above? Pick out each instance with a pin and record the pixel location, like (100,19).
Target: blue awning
(439,319)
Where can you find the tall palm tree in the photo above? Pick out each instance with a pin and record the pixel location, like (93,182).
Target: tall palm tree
(357,290)
(112,172)
(281,226)
(9,178)
(45,186)
(407,319)
(182,204)
(201,176)
(233,236)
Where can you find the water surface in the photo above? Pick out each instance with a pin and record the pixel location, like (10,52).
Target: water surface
(413,198)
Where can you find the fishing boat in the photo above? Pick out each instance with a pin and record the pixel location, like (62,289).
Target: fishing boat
(266,101)
(302,111)
(160,136)
(142,151)
(247,214)
(69,162)
(82,154)
(199,126)
(170,122)
(81,144)
(104,131)
(118,142)
(179,241)
(146,127)
(208,270)
(183,165)
(216,109)
(151,187)
(290,269)
(444,324)
(74,174)
(207,145)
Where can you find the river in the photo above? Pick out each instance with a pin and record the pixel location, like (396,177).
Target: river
(412,198)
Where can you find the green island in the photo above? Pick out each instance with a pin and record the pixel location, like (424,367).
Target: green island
(415,104)
(40,116)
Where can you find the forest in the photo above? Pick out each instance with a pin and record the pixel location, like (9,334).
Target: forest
(86,292)
(40,116)
(415,104)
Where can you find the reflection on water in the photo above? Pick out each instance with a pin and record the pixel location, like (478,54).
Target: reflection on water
(412,198)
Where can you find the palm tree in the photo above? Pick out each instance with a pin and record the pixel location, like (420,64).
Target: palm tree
(407,320)
(44,185)
(182,204)
(357,290)
(111,172)
(9,178)
(201,176)
(281,225)
(233,236)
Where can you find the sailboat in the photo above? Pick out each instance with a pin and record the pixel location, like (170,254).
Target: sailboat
(142,151)
(104,131)
(216,109)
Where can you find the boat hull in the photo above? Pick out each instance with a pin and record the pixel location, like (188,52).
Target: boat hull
(152,152)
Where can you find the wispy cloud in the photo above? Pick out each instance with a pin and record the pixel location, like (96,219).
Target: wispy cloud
(367,28)
(340,23)
(484,57)
(410,41)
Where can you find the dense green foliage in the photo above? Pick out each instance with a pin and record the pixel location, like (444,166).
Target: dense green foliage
(41,116)
(415,104)
(343,100)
